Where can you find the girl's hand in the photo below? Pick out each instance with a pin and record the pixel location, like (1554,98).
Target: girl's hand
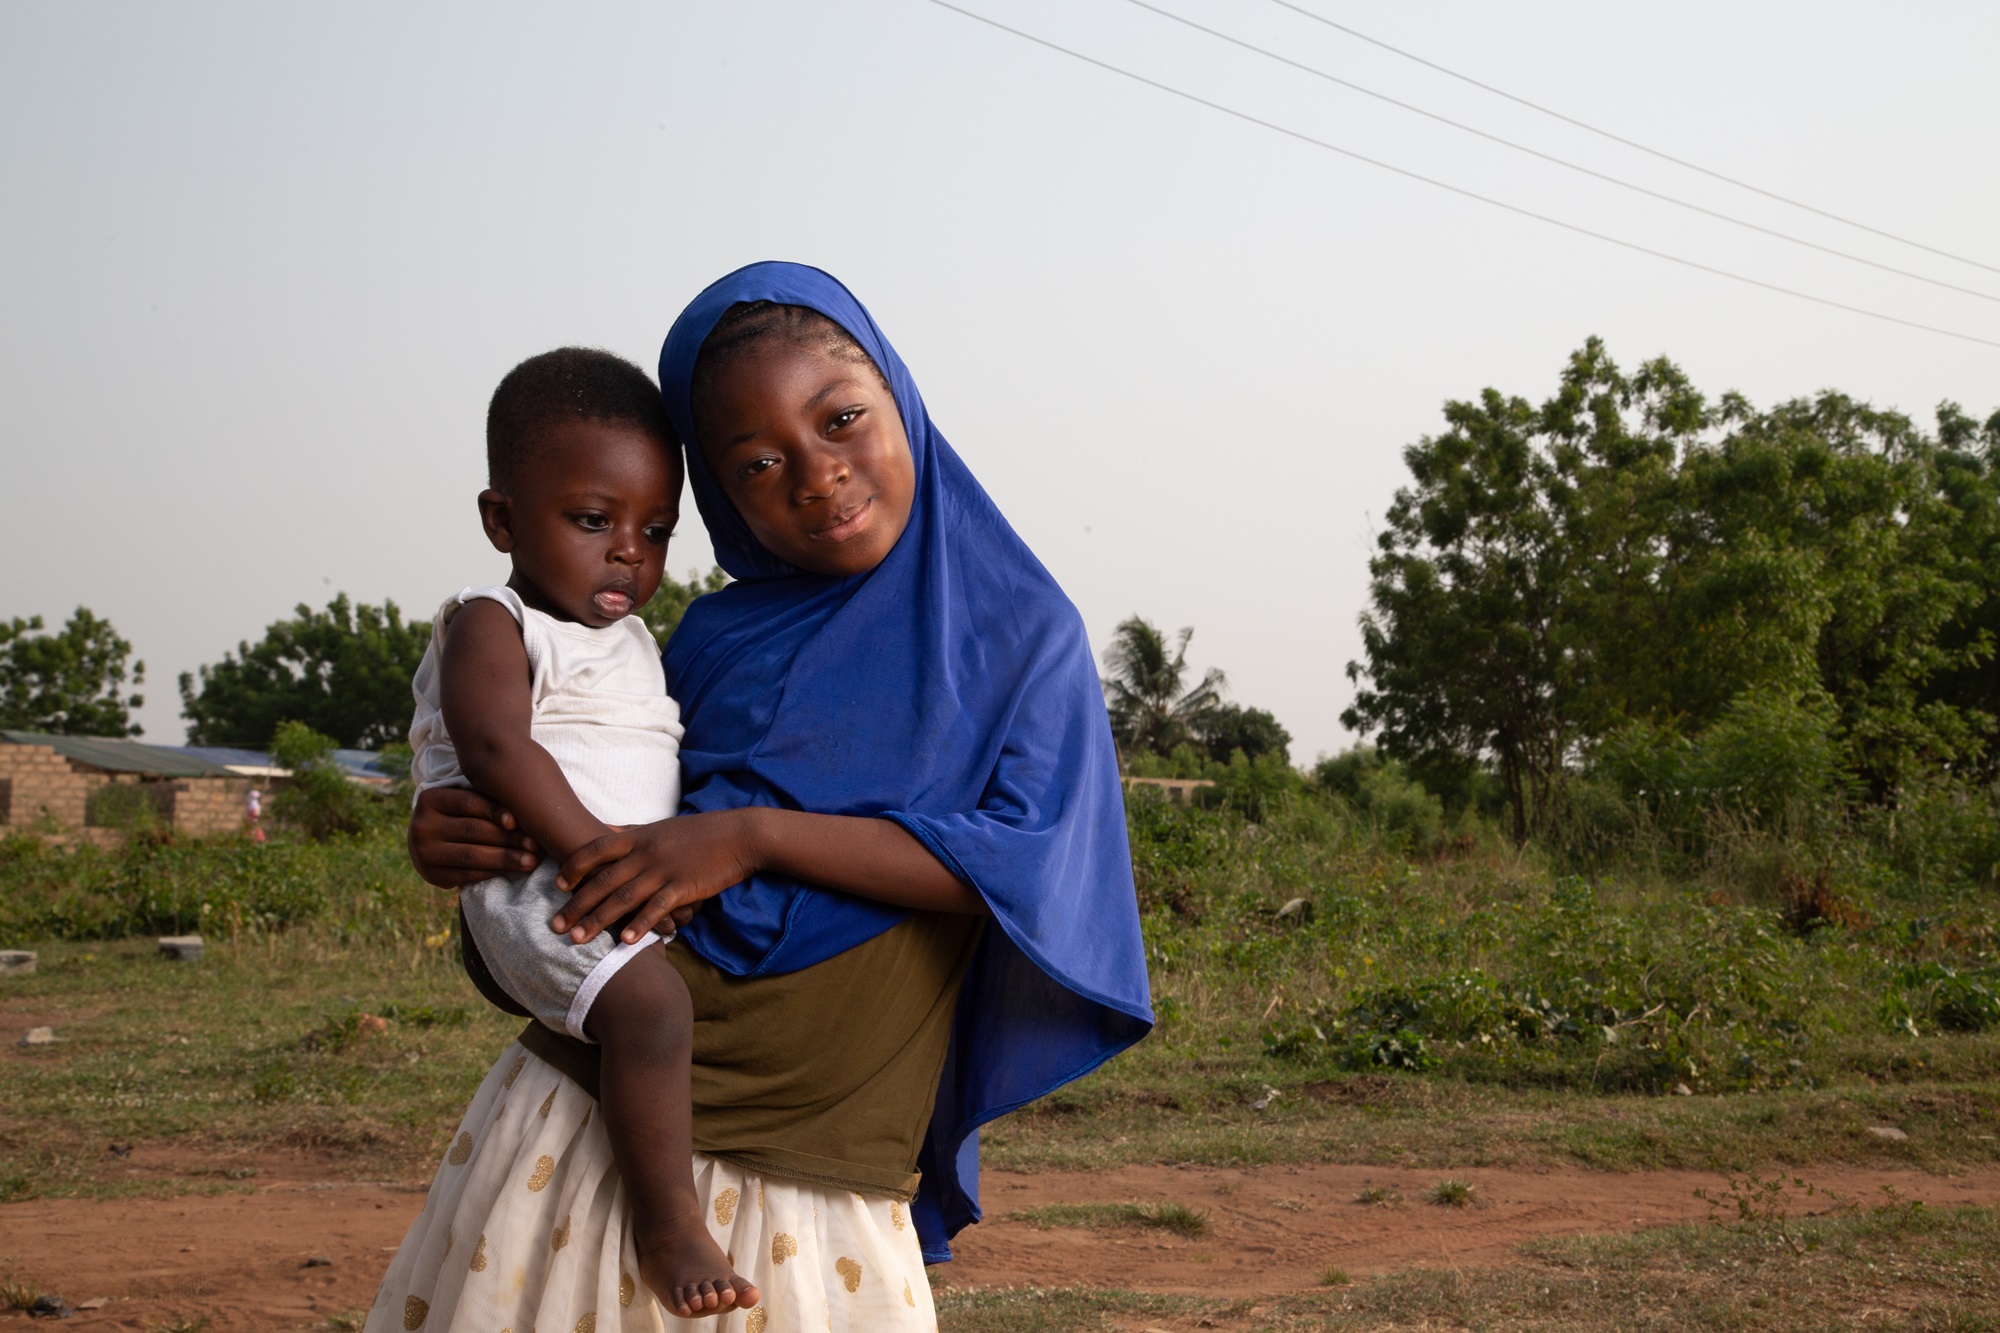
(653,872)
(458,837)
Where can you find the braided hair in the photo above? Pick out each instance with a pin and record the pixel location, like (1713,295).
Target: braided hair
(748,325)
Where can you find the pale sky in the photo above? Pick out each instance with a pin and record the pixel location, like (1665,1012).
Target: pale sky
(262,266)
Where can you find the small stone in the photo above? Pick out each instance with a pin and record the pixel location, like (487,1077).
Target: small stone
(1271,1094)
(317,1261)
(1297,909)
(40,1037)
(119,1149)
(181,948)
(1889,1132)
(1683,1090)
(50,1307)
(17,962)
(94,1303)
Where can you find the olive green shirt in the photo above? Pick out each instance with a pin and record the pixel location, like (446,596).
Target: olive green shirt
(827,1074)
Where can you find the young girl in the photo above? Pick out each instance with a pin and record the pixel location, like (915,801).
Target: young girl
(902,821)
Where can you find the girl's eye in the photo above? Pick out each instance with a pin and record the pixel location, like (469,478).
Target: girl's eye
(592,522)
(843,418)
(758,465)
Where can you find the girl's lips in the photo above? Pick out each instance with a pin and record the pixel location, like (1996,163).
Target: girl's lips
(847,525)
(612,602)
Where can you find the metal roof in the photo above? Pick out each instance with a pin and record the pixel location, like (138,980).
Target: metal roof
(114,755)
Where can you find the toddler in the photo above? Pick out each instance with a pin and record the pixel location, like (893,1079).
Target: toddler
(548,696)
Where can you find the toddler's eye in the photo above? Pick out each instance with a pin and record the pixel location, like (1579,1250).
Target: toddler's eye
(658,533)
(591,522)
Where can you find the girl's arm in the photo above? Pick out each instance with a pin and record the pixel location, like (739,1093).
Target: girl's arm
(656,870)
(489,713)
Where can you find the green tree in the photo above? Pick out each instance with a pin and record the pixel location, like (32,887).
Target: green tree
(1227,728)
(1629,555)
(344,672)
(1145,688)
(70,682)
(662,613)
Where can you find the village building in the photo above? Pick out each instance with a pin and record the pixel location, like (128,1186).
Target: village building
(86,786)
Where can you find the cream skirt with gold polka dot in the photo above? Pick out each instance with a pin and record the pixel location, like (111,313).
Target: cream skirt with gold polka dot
(524,1231)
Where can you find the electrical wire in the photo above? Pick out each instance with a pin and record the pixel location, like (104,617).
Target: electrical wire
(1630,143)
(1551,157)
(1460,190)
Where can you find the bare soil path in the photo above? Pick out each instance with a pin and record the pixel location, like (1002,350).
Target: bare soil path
(240,1258)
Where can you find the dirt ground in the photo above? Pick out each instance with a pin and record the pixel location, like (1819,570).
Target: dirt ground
(245,1258)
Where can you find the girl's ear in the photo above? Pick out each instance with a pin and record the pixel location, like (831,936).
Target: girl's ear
(496,515)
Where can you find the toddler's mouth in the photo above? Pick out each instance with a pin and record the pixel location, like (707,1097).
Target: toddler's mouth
(612,602)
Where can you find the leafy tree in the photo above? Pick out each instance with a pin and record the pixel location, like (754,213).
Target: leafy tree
(71,682)
(1152,708)
(662,613)
(344,672)
(1228,728)
(1629,554)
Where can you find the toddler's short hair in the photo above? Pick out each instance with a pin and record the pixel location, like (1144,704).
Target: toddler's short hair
(568,384)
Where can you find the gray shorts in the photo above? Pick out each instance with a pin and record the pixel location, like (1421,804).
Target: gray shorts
(558,981)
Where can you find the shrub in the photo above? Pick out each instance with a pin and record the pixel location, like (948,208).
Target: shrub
(318,800)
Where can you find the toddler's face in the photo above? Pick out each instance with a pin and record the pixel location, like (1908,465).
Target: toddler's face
(811,450)
(587,520)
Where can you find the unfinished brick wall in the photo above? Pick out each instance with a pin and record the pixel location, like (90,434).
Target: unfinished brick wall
(204,806)
(44,788)
(40,791)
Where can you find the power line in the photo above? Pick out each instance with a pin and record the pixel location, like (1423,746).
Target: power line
(1630,143)
(1551,157)
(1456,189)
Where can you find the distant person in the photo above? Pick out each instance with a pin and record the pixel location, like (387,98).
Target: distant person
(253,811)
(901,824)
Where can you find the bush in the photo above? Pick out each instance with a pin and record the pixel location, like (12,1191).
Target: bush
(318,799)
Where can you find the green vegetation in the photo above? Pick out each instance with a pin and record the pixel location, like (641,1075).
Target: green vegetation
(1897,1267)
(69,682)
(1326,991)
(344,672)
(663,612)
(1781,614)
(1175,1217)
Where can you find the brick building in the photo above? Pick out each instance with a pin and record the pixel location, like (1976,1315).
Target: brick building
(84,785)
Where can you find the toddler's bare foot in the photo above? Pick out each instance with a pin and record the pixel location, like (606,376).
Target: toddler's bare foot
(685,1268)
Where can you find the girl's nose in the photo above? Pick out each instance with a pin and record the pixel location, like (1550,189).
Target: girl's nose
(822,473)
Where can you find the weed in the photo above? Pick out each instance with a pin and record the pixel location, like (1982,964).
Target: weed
(1763,1206)
(182,1324)
(1454,1193)
(351,1321)
(1174,1217)
(1334,1277)
(18,1295)
(1378,1196)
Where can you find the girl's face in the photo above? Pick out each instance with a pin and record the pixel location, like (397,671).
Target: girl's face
(810,448)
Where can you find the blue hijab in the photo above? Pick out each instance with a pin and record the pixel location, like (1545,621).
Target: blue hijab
(951,689)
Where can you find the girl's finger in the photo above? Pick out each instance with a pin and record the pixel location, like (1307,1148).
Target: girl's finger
(592,856)
(598,901)
(657,908)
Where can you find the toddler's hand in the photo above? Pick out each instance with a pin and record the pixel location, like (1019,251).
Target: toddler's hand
(652,873)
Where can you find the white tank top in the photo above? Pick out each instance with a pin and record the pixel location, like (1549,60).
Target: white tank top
(600,704)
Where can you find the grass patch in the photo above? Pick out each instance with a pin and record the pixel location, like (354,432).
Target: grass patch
(1455,1193)
(1897,1267)
(1175,1217)
(1378,1196)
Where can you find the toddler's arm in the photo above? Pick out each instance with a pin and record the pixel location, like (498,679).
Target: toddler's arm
(488,710)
